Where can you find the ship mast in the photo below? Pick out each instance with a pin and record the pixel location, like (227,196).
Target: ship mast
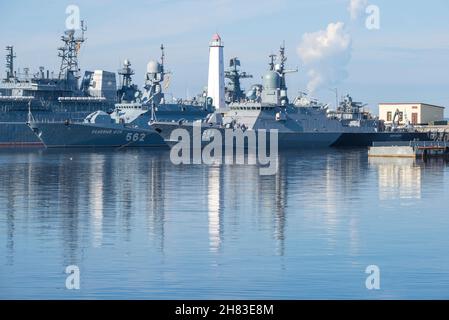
(162,57)
(234,75)
(280,68)
(68,53)
(10,63)
(271,63)
(154,77)
(127,91)
(126,72)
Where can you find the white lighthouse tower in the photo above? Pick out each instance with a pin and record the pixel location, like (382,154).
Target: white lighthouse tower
(215,84)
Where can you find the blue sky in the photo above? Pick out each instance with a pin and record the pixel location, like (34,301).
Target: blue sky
(407,59)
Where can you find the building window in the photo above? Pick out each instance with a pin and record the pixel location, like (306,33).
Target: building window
(414,118)
(389,116)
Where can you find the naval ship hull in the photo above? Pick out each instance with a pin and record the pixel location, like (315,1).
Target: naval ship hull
(15,132)
(301,140)
(286,140)
(18,134)
(361,139)
(84,135)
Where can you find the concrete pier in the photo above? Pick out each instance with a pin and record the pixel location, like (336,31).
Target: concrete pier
(436,132)
(412,149)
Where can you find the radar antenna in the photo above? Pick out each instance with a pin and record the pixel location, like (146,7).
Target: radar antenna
(282,59)
(271,63)
(68,53)
(10,63)
(162,54)
(234,75)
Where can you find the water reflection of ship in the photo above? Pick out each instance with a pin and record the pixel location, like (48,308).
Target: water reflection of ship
(16,191)
(321,184)
(273,192)
(106,204)
(10,218)
(225,186)
(80,203)
(155,204)
(345,170)
(93,203)
(96,196)
(119,192)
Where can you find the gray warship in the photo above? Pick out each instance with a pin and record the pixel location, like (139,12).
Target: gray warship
(50,97)
(301,123)
(128,124)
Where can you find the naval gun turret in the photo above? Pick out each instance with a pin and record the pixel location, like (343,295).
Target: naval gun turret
(234,92)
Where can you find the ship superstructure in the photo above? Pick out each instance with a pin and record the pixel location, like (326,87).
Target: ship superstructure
(49,97)
(233,90)
(128,124)
(301,123)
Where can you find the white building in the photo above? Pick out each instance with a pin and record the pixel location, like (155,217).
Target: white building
(413,113)
(215,83)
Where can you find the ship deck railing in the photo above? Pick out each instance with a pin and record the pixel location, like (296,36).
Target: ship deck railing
(16,98)
(416,144)
(71,120)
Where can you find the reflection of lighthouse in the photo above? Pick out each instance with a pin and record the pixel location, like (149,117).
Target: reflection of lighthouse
(214,198)
(215,84)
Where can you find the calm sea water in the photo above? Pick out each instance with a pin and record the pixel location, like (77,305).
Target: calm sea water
(139,227)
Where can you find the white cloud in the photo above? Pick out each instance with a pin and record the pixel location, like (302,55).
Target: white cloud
(356,8)
(325,54)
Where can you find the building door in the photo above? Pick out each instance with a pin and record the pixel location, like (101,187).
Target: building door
(414,118)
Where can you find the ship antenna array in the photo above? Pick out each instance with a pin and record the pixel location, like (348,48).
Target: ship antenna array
(283,59)
(69,52)
(167,82)
(83,28)
(10,62)
(282,56)
(162,55)
(272,59)
(126,72)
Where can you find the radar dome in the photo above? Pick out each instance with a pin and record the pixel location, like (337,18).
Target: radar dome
(153,67)
(271,80)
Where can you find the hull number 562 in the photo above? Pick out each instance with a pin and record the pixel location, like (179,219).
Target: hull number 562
(135,137)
